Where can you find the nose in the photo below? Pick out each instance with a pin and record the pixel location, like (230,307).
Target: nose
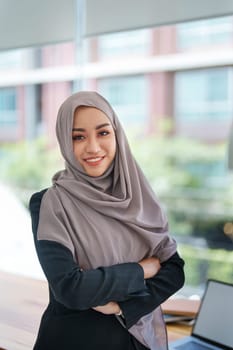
(92,145)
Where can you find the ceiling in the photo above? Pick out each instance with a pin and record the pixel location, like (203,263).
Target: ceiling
(27,23)
(104,16)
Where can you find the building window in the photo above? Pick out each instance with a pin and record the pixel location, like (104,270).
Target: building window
(125,43)
(205,33)
(128,96)
(8,112)
(11,59)
(204,95)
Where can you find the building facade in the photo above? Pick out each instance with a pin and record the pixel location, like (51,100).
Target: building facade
(181,74)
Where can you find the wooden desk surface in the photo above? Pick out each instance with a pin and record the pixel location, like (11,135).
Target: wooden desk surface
(22,301)
(177,331)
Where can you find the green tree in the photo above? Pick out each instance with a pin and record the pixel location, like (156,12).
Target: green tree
(28,166)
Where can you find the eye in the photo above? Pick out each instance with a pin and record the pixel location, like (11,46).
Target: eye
(104,133)
(78,137)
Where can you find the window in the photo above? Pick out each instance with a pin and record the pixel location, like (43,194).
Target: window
(125,43)
(8,112)
(11,59)
(128,96)
(188,175)
(205,33)
(204,95)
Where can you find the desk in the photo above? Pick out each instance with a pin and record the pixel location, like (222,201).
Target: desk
(177,331)
(22,301)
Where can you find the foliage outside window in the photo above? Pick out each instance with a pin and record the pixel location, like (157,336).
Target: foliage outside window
(197,199)
(200,213)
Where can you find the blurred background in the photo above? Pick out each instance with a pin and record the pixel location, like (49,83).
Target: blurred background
(172,88)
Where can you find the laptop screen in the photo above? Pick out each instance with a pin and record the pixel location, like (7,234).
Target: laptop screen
(215,318)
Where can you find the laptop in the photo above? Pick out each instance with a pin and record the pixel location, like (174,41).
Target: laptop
(213,328)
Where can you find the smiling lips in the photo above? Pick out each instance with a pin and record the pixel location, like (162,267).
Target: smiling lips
(94,160)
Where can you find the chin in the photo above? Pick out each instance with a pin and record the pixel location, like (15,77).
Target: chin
(95,173)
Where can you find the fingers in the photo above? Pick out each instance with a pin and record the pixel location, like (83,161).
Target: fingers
(150,266)
(108,309)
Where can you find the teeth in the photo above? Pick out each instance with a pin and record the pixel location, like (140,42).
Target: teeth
(93,160)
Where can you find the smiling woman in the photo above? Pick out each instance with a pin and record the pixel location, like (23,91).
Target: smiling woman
(102,239)
(94,142)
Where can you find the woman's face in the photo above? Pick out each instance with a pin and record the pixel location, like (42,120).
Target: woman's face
(94,141)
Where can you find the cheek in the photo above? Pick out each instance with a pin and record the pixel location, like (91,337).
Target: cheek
(77,151)
(113,149)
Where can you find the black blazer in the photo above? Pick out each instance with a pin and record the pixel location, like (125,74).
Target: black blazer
(70,323)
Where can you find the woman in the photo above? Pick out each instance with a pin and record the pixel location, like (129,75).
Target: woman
(102,239)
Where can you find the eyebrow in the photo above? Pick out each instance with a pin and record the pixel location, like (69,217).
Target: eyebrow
(96,128)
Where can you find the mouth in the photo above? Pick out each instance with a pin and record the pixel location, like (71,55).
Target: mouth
(94,161)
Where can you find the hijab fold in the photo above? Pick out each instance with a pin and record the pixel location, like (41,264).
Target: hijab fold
(117,212)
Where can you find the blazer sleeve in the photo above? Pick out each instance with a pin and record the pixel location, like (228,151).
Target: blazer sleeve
(166,282)
(78,289)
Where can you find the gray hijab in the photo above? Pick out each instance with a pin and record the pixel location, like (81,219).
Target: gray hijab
(106,220)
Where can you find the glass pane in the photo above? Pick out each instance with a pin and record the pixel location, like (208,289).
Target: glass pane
(125,43)
(128,96)
(204,33)
(8,112)
(203,95)
(176,109)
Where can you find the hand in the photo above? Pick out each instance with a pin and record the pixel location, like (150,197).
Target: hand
(108,309)
(151,266)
